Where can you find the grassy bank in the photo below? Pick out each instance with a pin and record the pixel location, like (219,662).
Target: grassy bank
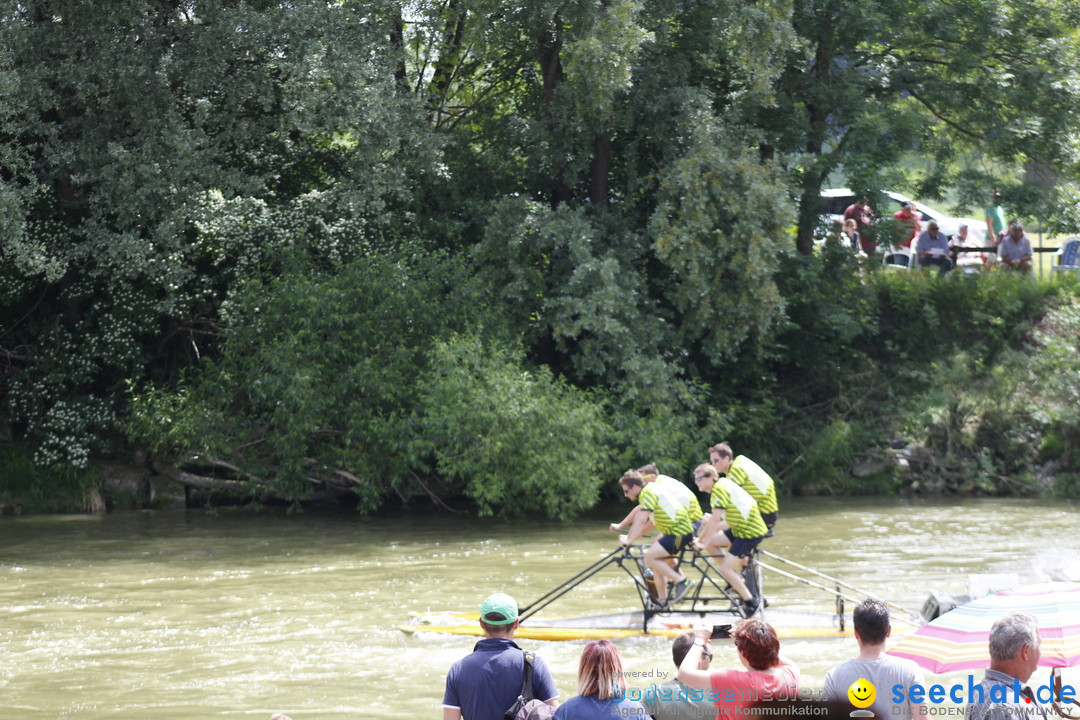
(28,488)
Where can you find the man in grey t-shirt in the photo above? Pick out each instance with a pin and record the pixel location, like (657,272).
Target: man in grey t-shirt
(872,628)
(1015,252)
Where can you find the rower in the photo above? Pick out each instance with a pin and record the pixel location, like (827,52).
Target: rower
(650,473)
(748,475)
(735,524)
(658,507)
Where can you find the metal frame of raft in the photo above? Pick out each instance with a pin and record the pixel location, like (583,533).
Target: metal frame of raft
(711,594)
(708,576)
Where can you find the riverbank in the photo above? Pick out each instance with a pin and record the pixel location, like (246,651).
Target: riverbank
(951,396)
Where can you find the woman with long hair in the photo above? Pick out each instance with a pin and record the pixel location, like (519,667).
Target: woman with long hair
(768,675)
(601,687)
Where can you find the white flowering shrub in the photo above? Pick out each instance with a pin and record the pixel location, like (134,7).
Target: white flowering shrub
(66,428)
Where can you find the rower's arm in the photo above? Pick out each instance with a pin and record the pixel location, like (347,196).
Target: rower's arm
(625,521)
(710,529)
(451,713)
(641,525)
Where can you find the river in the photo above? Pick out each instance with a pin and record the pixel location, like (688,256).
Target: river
(176,615)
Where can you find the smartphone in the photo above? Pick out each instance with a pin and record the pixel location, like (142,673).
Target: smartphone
(720,632)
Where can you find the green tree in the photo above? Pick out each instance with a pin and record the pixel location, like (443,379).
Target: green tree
(383,376)
(873,80)
(147,151)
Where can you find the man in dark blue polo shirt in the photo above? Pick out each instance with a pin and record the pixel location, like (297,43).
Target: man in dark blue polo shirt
(483,685)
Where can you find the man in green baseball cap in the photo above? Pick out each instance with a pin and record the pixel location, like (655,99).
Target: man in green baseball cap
(498,609)
(483,685)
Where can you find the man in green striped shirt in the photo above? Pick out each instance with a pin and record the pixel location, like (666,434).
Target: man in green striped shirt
(658,507)
(735,523)
(650,474)
(748,475)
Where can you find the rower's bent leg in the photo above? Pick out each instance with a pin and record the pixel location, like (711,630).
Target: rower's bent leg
(731,569)
(656,557)
(717,543)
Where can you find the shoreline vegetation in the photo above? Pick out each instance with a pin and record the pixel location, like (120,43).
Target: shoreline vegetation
(953,386)
(489,257)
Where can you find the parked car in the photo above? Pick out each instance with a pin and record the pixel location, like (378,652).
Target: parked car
(838,200)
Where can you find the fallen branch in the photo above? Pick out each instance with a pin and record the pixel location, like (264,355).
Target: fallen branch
(200,482)
(215,464)
(434,498)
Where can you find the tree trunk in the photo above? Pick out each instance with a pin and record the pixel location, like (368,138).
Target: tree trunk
(449,57)
(550,60)
(601,165)
(397,42)
(550,48)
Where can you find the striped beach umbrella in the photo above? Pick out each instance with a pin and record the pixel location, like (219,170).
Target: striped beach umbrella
(959,639)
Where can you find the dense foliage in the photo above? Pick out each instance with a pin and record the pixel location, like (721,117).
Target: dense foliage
(500,252)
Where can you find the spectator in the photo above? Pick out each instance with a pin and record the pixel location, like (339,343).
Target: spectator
(995,218)
(674,699)
(601,687)
(483,685)
(965,258)
(1014,655)
(767,674)
(872,628)
(863,215)
(1014,252)
(852,231)
(933,248)
(909,225)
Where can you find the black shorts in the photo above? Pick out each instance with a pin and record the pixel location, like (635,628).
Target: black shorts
(769,518)
(674,544)
(742,547)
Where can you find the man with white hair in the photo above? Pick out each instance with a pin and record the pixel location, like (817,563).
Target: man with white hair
(966,258)
(1014,252)
(1003,693)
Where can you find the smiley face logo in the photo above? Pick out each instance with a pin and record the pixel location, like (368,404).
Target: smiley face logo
(862,693)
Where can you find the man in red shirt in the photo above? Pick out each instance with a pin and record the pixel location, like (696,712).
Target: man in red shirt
(909,224)
(863,215)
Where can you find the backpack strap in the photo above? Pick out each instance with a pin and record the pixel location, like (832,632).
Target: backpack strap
(527,685)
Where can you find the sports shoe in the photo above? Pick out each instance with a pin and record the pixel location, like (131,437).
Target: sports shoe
(750,607)
(681,590)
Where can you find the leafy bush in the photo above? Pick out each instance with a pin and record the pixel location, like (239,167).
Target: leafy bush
(870,355)
(519,441)
(369,375)
(1055,374)
(924,317)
